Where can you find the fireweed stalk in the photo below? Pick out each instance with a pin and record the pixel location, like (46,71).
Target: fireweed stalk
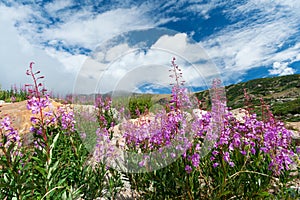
(37,102)
(40,105)
(46,126)
(168,131)
(104,148)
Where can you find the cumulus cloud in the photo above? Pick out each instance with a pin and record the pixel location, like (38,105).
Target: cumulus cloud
(16,52)
(126,68)
(27,41)
(34,35)
(281,69)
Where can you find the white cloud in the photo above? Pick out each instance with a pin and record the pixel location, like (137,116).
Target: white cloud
(254,42)
(16,52)
(70,62)
(281,69)
(125,68)
(13,14)
(179,45)
(197,7)
(80,28)
(204,9)
(91,30)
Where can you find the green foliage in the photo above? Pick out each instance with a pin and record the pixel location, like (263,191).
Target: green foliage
(13,94)
(171,182)
(14,182)
(288,109)
(139,104)
(250,178)
(60,170)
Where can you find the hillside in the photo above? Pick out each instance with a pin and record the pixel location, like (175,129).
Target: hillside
(282,94)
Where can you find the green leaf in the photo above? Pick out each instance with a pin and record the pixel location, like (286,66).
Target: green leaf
(52,169)
(61,181)
(264,194)
(41,171)
(52,146)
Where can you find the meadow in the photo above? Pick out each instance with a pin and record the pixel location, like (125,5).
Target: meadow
(172,153)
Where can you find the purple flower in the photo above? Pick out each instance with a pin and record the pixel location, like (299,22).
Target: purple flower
(173,155)
(226,157)
(253,151)
(216,165)
(142,163)
(66,119)
(215,152)
(188,169)
(13,99)
(12,136)
(195,159)
(243,152)
(35,105)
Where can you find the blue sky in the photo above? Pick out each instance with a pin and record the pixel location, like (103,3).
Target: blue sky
(84,46)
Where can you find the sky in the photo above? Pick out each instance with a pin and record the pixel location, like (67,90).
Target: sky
(90,46)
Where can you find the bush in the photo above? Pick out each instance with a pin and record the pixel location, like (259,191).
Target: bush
(139,105)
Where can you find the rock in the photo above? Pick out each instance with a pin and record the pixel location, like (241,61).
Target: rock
(239,114)
(199,113)
(20,115)
(294,125)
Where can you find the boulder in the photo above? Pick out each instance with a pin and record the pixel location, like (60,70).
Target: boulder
(20,115)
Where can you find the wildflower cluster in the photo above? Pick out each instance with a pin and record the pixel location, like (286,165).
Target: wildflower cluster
(104,150)
(53,163)
(167,131)
(185,152)
(104,113)
(251,136)
(65,118)
(9,137)
(39,103)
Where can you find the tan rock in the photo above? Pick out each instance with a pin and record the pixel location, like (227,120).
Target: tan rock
(20,115)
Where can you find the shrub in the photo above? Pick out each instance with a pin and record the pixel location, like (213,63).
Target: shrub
(139,105)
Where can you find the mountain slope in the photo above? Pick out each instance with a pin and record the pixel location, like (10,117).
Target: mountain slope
(282,94)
